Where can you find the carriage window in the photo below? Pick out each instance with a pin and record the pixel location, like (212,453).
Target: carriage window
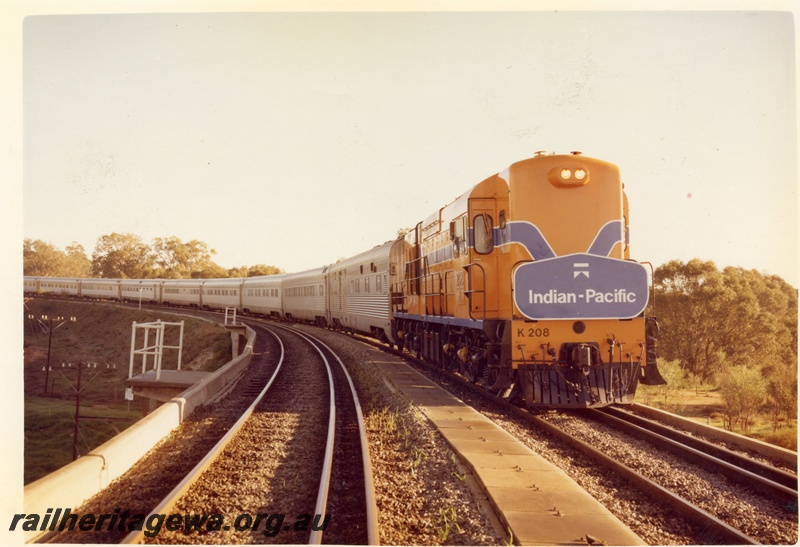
(484,236)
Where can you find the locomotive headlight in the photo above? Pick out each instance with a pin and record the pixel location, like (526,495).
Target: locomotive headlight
(568,176)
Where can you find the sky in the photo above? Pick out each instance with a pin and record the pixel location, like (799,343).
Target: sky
(297,139)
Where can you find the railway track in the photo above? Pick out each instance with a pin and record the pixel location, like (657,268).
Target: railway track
(735,507)
(714,530)
(160,470)
(744,507)
(274,441)
(168,503)
(761,477)
(346,489)
(272,477)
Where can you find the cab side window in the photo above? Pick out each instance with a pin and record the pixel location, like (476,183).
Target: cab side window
(482,226)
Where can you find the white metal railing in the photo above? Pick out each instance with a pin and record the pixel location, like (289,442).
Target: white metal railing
(156,349)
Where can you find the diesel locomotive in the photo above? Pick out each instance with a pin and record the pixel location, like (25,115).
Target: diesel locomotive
(524,284)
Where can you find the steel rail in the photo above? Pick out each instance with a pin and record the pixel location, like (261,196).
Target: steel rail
(327,463)
(182,487)
(715,531)
(373,532)
(762,477)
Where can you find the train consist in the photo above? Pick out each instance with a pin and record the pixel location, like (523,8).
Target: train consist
(524,284)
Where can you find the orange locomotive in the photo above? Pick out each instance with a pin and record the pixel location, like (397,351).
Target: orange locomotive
(525,284)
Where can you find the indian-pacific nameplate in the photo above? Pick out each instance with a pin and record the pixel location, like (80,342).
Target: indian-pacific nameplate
(581,286)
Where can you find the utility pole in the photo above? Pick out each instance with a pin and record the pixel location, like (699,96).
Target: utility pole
(77,412)
(78,389)
(50,328)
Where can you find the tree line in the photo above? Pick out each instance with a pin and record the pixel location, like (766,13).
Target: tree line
(127,256)
(733,329)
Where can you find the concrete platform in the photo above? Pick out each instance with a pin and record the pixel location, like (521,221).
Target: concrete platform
(169,385)
(534,499)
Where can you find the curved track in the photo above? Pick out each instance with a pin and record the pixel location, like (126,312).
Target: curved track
(171,499)
(346,487)
(281,431)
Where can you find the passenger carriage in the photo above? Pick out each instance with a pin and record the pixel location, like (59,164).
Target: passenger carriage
(304,296)
(140,290)
(358,293)
(181,292)
(107,289)
(222,293)
(30,285)
(58,285)
(261,295)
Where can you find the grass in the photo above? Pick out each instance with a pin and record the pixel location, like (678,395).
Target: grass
(101,334)
(49,431)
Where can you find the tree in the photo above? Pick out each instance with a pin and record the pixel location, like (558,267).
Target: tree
(711,320)
(122,256)
(241,271)
(690,298)
(743,391)
(77,263)
(41,259)
(176,259)
(782,394)
(263,269)
(253,271)
(210,271)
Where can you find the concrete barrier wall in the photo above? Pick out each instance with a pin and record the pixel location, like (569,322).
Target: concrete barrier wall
(78,481)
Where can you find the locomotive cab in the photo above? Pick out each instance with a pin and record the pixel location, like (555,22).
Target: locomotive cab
(579,325)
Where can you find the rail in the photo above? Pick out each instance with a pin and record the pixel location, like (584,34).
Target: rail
(371,506)
(175,494)
(762,477)
(715,529)
(748,443)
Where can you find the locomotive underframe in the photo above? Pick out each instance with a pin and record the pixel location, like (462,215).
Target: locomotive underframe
(474,352)
(483,355)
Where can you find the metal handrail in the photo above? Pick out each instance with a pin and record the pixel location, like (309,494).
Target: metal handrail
(469,292)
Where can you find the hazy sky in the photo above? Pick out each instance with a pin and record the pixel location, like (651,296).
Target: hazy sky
(296,139)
